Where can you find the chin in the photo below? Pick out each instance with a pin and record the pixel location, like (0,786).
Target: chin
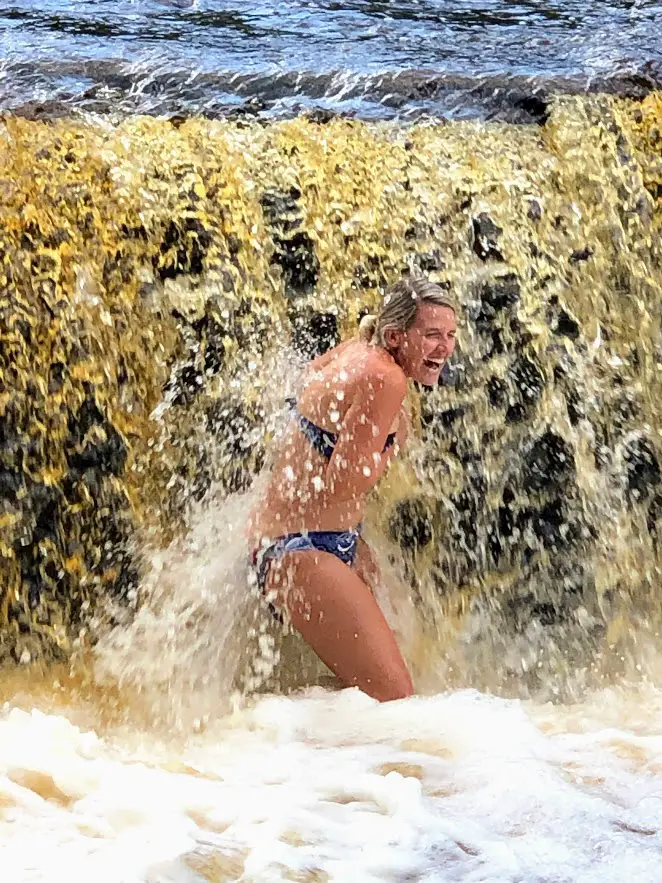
(429,378)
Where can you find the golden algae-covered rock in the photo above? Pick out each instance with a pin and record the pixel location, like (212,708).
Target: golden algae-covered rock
(150,270)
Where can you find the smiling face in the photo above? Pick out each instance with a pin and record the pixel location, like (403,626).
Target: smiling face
(422,350)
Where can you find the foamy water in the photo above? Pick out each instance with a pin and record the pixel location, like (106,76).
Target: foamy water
(334,786)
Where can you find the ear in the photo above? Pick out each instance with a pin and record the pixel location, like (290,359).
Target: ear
(393,338)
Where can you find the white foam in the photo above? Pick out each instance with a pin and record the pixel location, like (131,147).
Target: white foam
(461,787)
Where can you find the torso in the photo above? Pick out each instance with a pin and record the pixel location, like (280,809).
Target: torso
(291,502)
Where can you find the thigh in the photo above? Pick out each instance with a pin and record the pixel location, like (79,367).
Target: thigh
(337,615)
(366,567)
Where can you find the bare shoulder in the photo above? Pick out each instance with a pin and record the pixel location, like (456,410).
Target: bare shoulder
(384,374)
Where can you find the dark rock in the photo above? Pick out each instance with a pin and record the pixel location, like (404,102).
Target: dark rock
(534,212)
(410,524)
(451,415)
(10,483)
(315,334)
(515,413)
(566,326)
(184,385)
(549,464)
(528,379)
(580,255)
(297,259)
(57,373)
(642,468)
(321,115)
(495,296)
(497,392)
(575,406)
(547,523)
(653,516)
(45,501)
(88,415)
(430,262)
(189,243)
(211,335)
(486,235)
(294,250)
(535,106)
(495,344)
(451,375)
(106,457)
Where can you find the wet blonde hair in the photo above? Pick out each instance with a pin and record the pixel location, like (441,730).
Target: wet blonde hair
(399,307)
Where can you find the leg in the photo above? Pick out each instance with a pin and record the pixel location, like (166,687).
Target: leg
(366,567)
(337,615)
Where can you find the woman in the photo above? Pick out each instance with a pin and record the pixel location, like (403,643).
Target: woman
(348,424)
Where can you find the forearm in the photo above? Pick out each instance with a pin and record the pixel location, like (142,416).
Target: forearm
(345,480)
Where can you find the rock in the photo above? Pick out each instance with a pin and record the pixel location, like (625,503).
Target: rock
(410,524)
(566,326)
(314,334)
(497,392)
(105,457)
(515,413)
(297,259)
(535,106)
(452,375)
(642,468)
(534,211)
(294,250)
(10,483)
(430,261)
(184,384)
(496,296)
(549,464)
(653,516)
(528,380)
(547,524)
(451,415)
(580,255)
(486,235)
(45,502)
(183,249)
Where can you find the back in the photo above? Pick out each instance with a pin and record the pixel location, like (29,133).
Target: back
(354,392)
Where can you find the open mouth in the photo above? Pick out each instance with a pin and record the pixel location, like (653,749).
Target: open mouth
(433,364)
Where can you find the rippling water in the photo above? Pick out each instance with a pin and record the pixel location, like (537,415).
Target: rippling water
(461,787)
(371,58)
(317,785)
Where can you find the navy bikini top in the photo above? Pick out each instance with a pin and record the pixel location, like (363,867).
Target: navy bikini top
(320,439)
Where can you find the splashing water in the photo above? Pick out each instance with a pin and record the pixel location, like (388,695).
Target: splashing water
(321,787)
(521,541)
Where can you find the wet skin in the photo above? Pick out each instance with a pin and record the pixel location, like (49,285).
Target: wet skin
(356,391)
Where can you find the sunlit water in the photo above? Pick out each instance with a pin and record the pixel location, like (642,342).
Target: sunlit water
(193,746)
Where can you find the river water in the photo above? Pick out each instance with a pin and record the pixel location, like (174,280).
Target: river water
(362,57)
(153,760)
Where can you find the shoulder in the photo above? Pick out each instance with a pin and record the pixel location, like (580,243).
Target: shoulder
(383,375)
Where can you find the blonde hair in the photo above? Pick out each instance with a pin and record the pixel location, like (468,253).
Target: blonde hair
(399,307)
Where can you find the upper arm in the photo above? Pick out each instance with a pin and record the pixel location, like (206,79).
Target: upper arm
(358,459)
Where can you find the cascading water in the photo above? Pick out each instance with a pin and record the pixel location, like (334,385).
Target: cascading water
(162,284)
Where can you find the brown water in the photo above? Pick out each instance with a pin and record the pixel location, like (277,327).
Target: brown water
(162,284)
